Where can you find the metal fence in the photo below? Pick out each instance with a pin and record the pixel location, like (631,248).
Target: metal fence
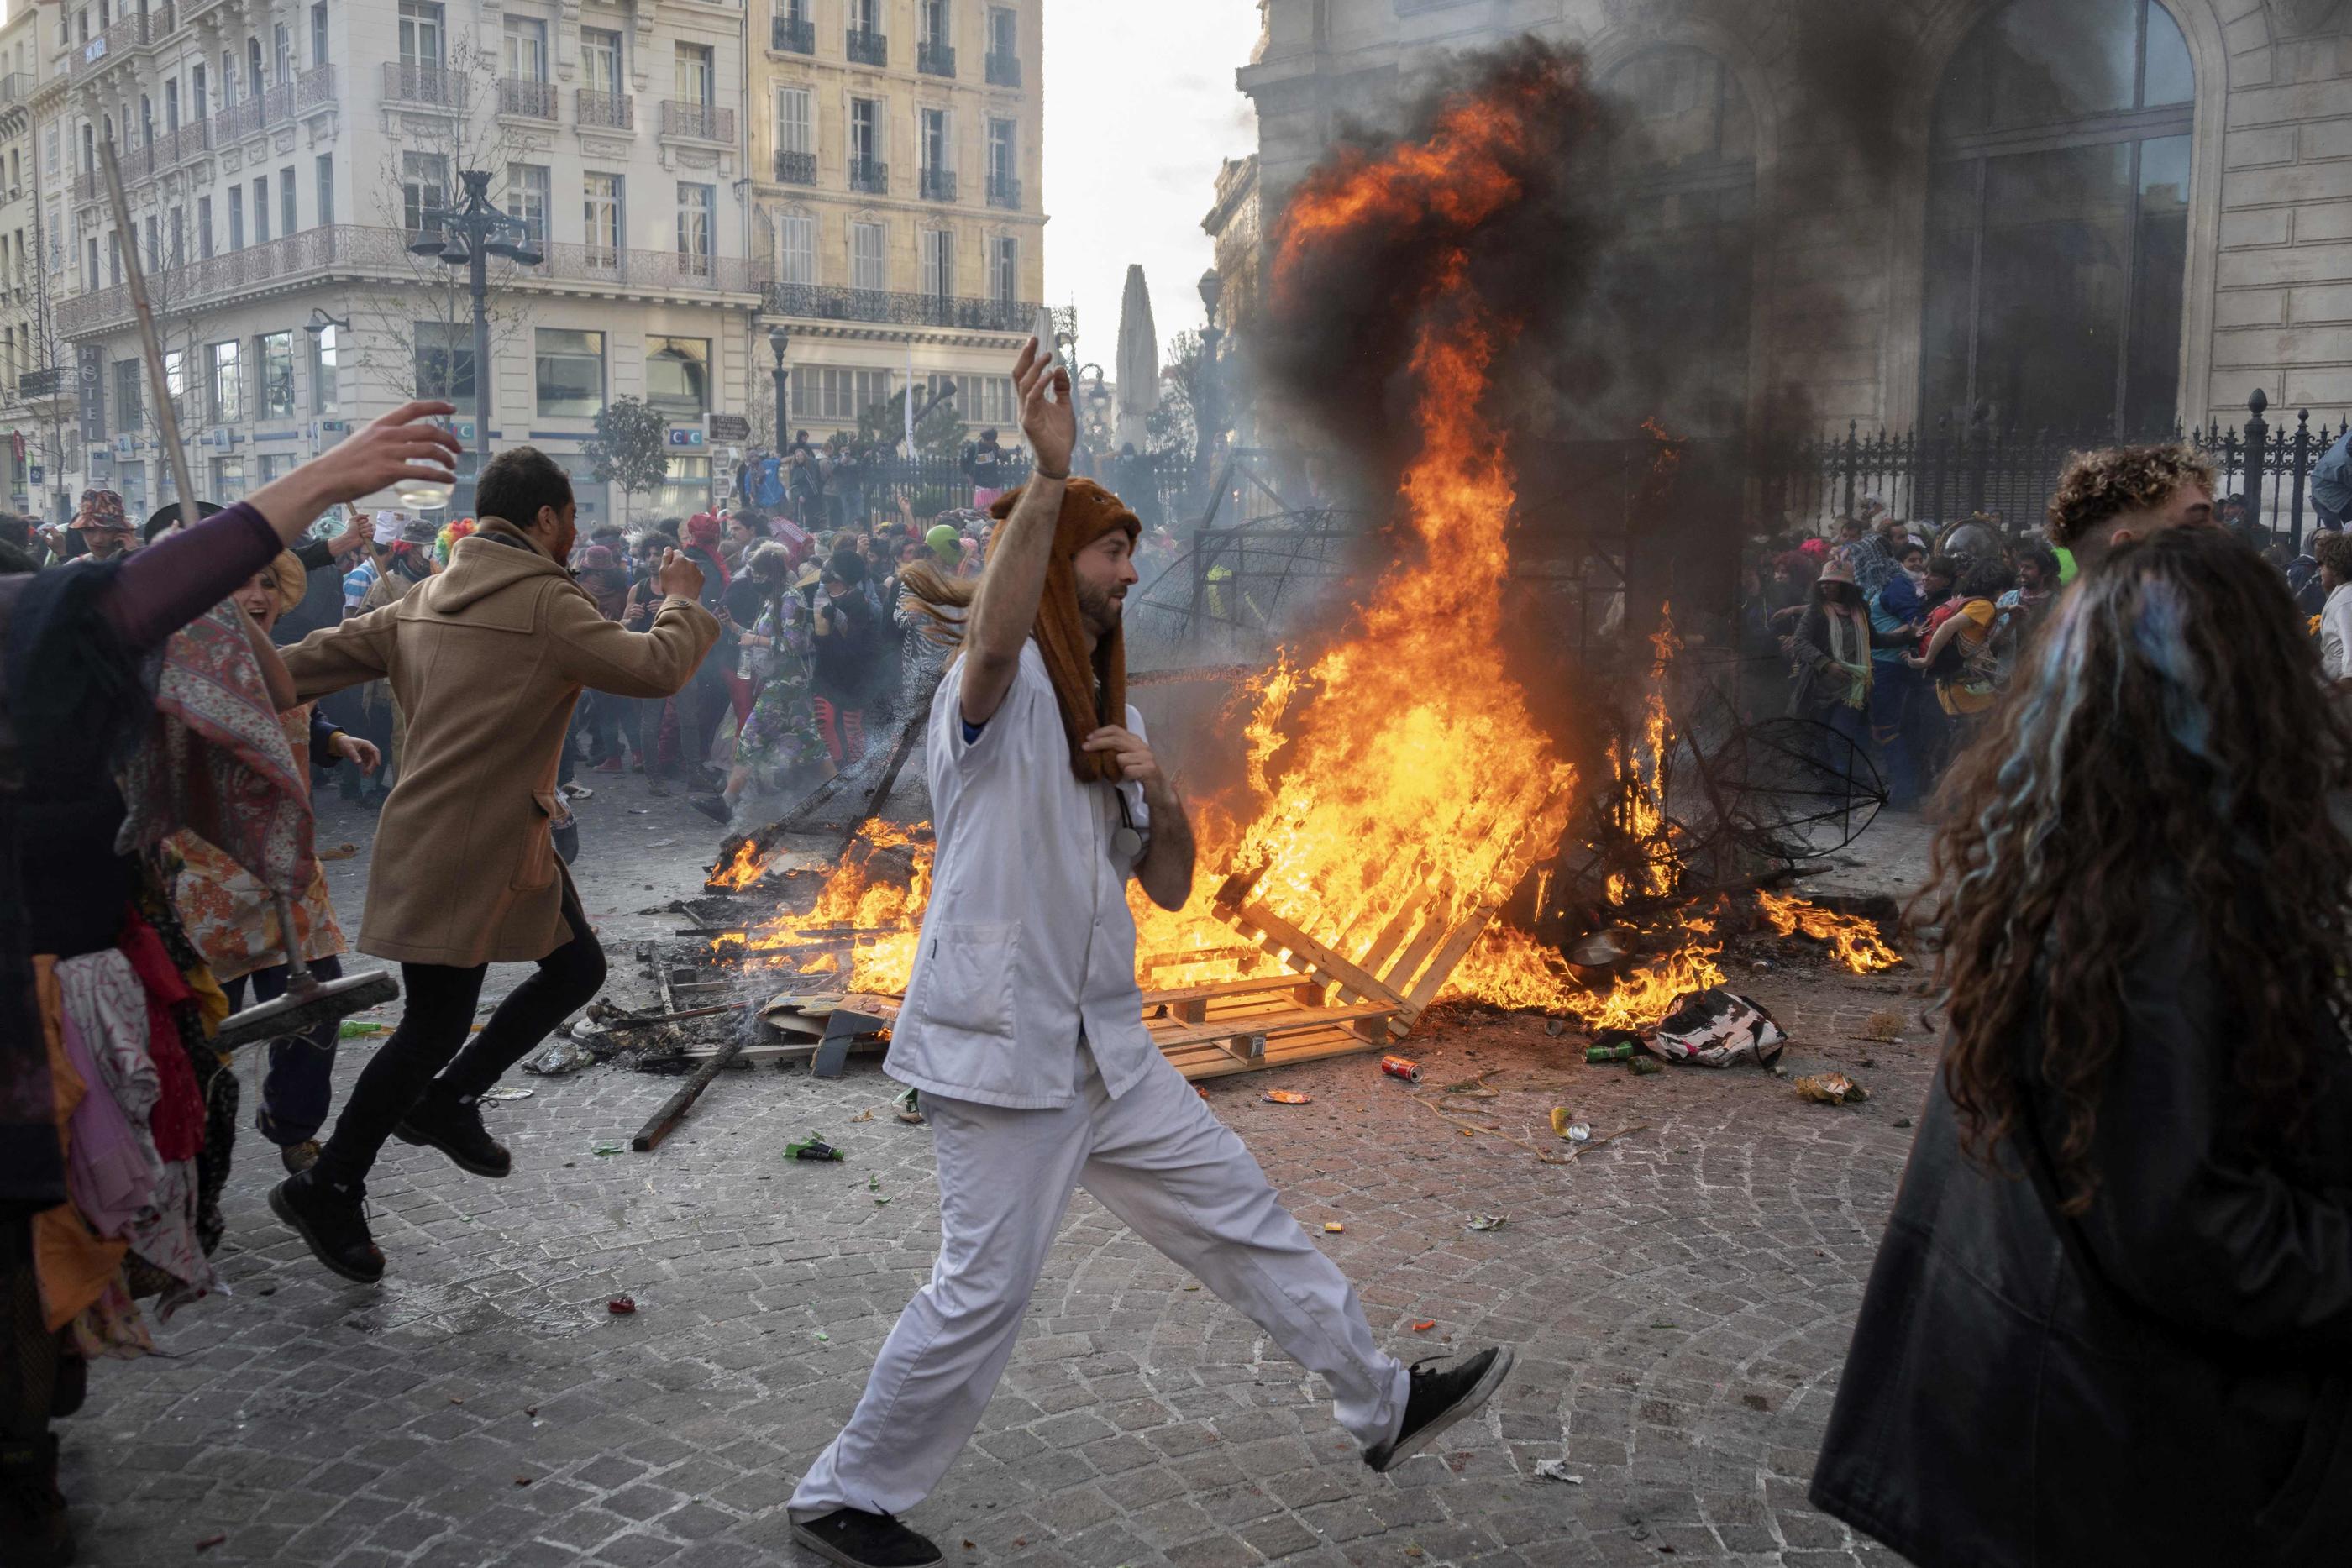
(1949,474)
(1159,487)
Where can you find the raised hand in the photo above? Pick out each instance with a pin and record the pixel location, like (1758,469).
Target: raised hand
(1052,427)
(678,576)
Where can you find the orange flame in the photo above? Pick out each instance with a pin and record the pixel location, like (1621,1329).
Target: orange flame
(1853,942)
(748,866)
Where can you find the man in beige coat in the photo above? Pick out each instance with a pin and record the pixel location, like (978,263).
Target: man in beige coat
(486,659)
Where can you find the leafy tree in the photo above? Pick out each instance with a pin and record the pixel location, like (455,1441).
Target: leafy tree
(1171,427)
(939,433)
(631,446)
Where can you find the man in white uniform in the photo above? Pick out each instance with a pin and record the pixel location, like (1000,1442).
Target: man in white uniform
(1023,1027)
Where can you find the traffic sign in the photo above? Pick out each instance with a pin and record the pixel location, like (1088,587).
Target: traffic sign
(728,429)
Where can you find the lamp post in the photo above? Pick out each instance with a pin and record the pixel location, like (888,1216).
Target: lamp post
(468,237)
(1204,411)
(779,341)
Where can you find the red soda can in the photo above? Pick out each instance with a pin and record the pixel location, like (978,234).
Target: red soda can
(1399,1067)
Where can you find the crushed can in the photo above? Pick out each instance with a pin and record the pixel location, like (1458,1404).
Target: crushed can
(1620,1052)
(1402,1067)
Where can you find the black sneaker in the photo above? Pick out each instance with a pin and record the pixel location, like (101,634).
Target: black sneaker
(714,807)
(32,1510)
(1439,1399)
(332,1220)
(455,1127)
(858,1539)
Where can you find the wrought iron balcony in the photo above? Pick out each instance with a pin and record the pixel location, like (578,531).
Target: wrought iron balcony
(939,186)
(184,144)
(796,168)
(868,49)
(869,178)
(16,87)
(1004,70)
(816,302)
(1004,190)
(793,35)
(416,81)
(604,111)
(935,59)
(527,100)
(696,121)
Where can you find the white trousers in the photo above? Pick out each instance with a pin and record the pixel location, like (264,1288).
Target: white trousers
(1158,1160)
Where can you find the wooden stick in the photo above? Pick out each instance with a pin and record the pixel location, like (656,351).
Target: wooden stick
(665,1120)
(617,1024)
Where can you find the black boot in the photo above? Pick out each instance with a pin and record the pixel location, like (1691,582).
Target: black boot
(72,1386)
(443,1121)
(332,1218)
(858,1539)
(32,1510)
(1439,1399)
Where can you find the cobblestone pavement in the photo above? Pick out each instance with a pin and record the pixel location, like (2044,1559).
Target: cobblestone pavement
(1680,1300)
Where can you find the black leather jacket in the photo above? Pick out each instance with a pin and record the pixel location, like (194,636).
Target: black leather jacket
(2191,1403)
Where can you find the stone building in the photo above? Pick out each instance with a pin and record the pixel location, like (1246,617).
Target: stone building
(896,161)
(2088,215)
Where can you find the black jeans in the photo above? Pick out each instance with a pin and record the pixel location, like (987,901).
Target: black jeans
(299,1084)
(440,1008)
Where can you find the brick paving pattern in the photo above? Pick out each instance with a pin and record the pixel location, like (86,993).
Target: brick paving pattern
(1680,1300)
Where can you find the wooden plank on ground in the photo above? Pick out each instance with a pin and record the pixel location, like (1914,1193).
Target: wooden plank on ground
(1267,1024)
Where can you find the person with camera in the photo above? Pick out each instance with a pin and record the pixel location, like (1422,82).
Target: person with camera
(486,659)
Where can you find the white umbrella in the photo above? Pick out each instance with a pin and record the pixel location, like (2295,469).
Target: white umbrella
(1138,362)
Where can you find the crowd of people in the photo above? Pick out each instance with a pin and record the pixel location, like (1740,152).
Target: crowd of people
(1898,639)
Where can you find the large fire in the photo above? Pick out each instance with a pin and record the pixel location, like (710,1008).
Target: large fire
(1397,779)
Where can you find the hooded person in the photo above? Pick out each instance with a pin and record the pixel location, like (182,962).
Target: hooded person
(1023,1032)
(487,660)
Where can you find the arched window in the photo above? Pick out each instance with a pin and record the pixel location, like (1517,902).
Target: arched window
(1681,279)
(2058,220)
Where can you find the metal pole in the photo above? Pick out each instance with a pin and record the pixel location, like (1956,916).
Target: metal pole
(783,409)
(477,234)
(2257,432)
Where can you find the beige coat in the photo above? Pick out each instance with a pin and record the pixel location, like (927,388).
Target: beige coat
(486,660)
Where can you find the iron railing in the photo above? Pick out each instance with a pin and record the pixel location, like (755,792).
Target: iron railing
(355,250)
(1956,472)
(177,147)
(237,121)
(792,36)
(527,100)
(605,110)
(935,59)
(1004,70)
(696,121)
(1004,190)
(796,168)
(820,302)
(16,87)
(939,186)
(418,81)
(867,48)
(110,47)
(871,178)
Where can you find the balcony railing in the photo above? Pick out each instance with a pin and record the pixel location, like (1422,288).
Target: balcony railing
(1004,190)
(939,186)
(792,36)
(1004,70)
(869,178)
(354,251)
(416,81)
(527,100)
(796,168)
(816,302)
(16,87)
(236,121)
(696,121)
(179,146)
(935,59)
(34,385)
(110,47)
(868,49)
(604,111)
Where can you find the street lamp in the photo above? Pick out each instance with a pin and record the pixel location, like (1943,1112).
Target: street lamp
(1213,289)
(779,341)
(468,237)
(320,322)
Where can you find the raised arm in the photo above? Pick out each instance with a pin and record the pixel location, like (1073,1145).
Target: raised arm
(605,657)
(1005,612)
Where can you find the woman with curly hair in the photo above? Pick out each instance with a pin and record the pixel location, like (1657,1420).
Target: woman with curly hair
(2111,1320)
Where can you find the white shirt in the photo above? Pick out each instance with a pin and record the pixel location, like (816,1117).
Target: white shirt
(1027,941)
(2336,634)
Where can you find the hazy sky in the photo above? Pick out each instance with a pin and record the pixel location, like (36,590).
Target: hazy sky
(1141,108)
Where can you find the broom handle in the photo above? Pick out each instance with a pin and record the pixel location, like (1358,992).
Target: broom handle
(167,417)
(298,973)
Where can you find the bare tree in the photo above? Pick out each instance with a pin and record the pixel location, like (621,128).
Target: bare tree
(417,179)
